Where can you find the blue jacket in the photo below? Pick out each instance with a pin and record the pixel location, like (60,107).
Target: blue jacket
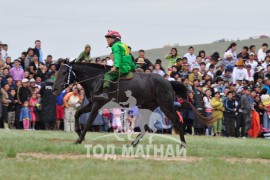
(268,88)
(25,113)
(59,99)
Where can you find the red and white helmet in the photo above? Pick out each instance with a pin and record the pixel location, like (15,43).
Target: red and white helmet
(113,34)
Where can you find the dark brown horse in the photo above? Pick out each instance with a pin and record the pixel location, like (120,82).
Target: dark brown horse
(150,90)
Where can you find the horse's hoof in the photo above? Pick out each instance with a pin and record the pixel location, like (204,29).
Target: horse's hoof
(78,141)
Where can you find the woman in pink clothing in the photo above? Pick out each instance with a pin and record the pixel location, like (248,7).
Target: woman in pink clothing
(33,102)
(116,122)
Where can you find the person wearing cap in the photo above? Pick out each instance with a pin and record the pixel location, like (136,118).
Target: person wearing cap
(85,54)
(217,105)
(172,57)
(228,61)
(251,61)
(259,72)
(32,85)
(262,52)
(17,72)
(123,63)
(246,106)
(239,71)
(194,75)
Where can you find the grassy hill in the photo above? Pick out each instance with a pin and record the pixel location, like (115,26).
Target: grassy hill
(159,53)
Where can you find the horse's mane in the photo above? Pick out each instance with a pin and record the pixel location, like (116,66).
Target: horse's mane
(100,66)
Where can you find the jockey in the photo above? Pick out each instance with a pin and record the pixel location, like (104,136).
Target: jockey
(123,63)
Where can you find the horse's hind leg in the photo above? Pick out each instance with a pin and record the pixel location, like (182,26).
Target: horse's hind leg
(169,111)
(78,113)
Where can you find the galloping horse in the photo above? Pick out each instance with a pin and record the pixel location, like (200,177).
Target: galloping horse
(150,90)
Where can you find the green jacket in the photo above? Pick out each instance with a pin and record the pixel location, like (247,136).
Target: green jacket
(83,55)
(171,60)
(122,58)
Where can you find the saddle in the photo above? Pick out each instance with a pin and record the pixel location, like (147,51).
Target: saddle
(127,76)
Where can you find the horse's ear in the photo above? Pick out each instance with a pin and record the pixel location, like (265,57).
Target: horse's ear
(70,61)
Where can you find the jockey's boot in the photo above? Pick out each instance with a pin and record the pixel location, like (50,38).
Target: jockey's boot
(104,96)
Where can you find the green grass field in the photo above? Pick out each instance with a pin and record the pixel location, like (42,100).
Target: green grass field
(52,155)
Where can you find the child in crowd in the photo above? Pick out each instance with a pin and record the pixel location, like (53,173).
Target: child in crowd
(12,108)
(265,99)
(116,123)
(33,108)
(25,115)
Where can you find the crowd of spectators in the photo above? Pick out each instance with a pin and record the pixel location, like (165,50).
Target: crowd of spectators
(234,87)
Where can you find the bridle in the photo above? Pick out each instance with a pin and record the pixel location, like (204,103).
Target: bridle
(70,72)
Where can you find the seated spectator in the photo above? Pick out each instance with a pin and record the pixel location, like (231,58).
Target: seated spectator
(244,54)
(251,61)
(191,57)
(85,54)
(147,63)
(157,70)
(194,75)
(172,57)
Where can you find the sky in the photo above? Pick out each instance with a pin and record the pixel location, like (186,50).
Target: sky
(66,26)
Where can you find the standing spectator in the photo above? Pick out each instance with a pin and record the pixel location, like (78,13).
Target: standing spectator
(191,57)
(244,54)
(25,115)
(5,104)
(29,58)
(116,122)
(232,49)
(10,82)
(12,108)
(32,85)
(38,50)
(4,51)
(262,52)
(246,107)
(172,57)
(217,105)
(229,114)
(48,104)
(33,109)
(70,100)
(239,71)
(42,71)
(23,94)
(60,111)
(251,61)
(34,65)
(9,64)
(147,63)
(202,54)
(17,72)
(85,55)
(199,104)
(208,108)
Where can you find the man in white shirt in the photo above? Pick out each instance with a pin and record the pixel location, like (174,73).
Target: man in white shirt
(262,52)
(253,63)
(239,72)
(197,63)
(4,51)
(191,57)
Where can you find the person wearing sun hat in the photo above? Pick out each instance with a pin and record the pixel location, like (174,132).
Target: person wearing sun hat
(239,71)
(194,75)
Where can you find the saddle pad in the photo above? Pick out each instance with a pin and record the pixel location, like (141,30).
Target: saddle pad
(127,76)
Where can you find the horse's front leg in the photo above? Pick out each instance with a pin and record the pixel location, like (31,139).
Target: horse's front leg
(78,113)
(92,117)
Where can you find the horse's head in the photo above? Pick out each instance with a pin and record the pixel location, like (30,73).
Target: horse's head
(65,77)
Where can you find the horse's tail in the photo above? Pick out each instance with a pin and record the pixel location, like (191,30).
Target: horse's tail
(181,90)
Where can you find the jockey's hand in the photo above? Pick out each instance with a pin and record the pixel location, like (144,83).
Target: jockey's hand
(114,69)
